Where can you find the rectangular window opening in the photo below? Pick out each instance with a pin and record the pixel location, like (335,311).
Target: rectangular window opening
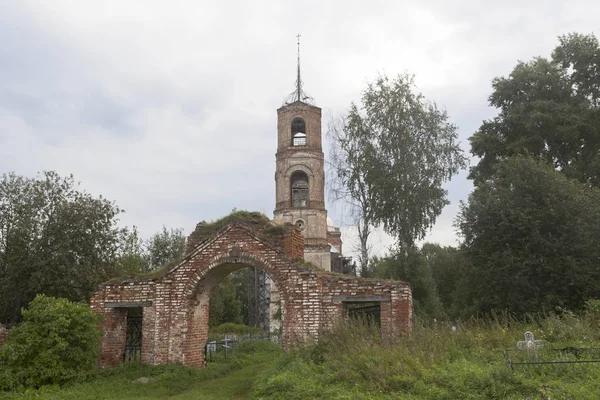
(365,312)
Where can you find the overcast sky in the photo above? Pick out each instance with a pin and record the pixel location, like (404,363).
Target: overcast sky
(169,107)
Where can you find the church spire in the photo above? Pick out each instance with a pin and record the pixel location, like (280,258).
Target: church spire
(299,94)
(298,79)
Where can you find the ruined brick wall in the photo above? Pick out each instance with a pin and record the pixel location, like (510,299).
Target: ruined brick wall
(293,243)
(396,313)
(176,305)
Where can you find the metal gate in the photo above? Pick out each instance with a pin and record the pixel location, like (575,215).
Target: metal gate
(133,338)
(367,312)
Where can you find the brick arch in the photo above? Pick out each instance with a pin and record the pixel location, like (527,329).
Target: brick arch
(235,256)
(175,305)
(201,288)
(298,167)
(288,184)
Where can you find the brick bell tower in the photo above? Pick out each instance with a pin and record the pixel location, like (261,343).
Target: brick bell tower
(300,174)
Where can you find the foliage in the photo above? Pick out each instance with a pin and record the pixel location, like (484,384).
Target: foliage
(58,342)
(260,222)
(448,267)
(413,268)
(548,109)
(224,304)
(54,239)
(355,362)
(389,159)
(531,235)
(230,328)
(226,379)
(164,247)
(132,253)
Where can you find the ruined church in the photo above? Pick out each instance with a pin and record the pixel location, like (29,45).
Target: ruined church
(164,319)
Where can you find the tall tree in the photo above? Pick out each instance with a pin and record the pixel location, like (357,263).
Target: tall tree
(389,159)
(225,304)
(413,267)
(548,108)
(54,240)
(447,265)
(164,247)
(532,237)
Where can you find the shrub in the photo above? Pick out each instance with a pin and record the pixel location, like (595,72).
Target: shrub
(58,342)
(229,328)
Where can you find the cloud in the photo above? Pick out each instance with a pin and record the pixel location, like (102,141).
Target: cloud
(169,108)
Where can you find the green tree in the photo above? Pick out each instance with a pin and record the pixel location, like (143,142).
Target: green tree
(58,342)
(389,159)
(548,108)
(132,252)
(164,247)
(54,239)
(531,235)
(410,266)
(447,265)
(225,306)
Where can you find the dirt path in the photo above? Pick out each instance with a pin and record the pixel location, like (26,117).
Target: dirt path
(236,385)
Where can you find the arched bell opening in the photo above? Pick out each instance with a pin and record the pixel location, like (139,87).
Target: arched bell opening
(299,189)
(298,132)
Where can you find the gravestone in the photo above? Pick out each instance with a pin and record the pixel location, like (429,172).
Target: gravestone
(530,344)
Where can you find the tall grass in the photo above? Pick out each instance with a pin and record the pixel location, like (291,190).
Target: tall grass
(434,362)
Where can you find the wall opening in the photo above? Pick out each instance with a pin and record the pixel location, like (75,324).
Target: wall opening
(299,188)
(133,335)
(369,313)
(221,286)
(298,132)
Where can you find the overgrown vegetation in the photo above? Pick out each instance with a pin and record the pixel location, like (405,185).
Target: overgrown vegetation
(355,361)
(260,222)
(230,328)
(58,342)
(225,379)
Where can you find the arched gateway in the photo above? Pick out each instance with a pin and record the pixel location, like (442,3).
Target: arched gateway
(175,305)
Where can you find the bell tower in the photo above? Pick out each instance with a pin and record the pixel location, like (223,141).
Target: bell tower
(300,175)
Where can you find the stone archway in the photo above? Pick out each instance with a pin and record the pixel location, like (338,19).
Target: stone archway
(175,304)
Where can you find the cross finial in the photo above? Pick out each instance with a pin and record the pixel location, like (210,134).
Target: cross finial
(298,94)
(298,81)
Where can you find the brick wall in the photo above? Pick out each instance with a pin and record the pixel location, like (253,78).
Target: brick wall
(175,323)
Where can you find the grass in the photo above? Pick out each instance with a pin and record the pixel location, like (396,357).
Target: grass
(354,362)
(224,379)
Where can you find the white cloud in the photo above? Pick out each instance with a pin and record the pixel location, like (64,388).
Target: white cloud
(168,108)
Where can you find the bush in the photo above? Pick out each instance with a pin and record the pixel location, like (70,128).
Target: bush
(354,361)
(229,328)
(58,342)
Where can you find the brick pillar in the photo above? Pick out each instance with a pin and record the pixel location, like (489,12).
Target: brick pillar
(293,243)
(197,335)
(112,348)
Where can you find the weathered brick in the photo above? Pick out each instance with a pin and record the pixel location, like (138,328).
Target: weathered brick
(175,326)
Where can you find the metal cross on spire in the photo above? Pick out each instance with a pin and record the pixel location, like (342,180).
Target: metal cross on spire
(298,80)
(299,94)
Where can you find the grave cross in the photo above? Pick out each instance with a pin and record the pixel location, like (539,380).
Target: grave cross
(530,345)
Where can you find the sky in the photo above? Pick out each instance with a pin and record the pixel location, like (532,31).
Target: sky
(168,108)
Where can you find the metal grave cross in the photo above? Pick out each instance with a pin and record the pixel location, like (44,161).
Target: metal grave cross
(530,345)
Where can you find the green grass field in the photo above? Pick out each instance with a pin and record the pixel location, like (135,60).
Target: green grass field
(355,362)
(223,379)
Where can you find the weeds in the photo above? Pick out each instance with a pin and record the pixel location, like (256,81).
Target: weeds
(435,362)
